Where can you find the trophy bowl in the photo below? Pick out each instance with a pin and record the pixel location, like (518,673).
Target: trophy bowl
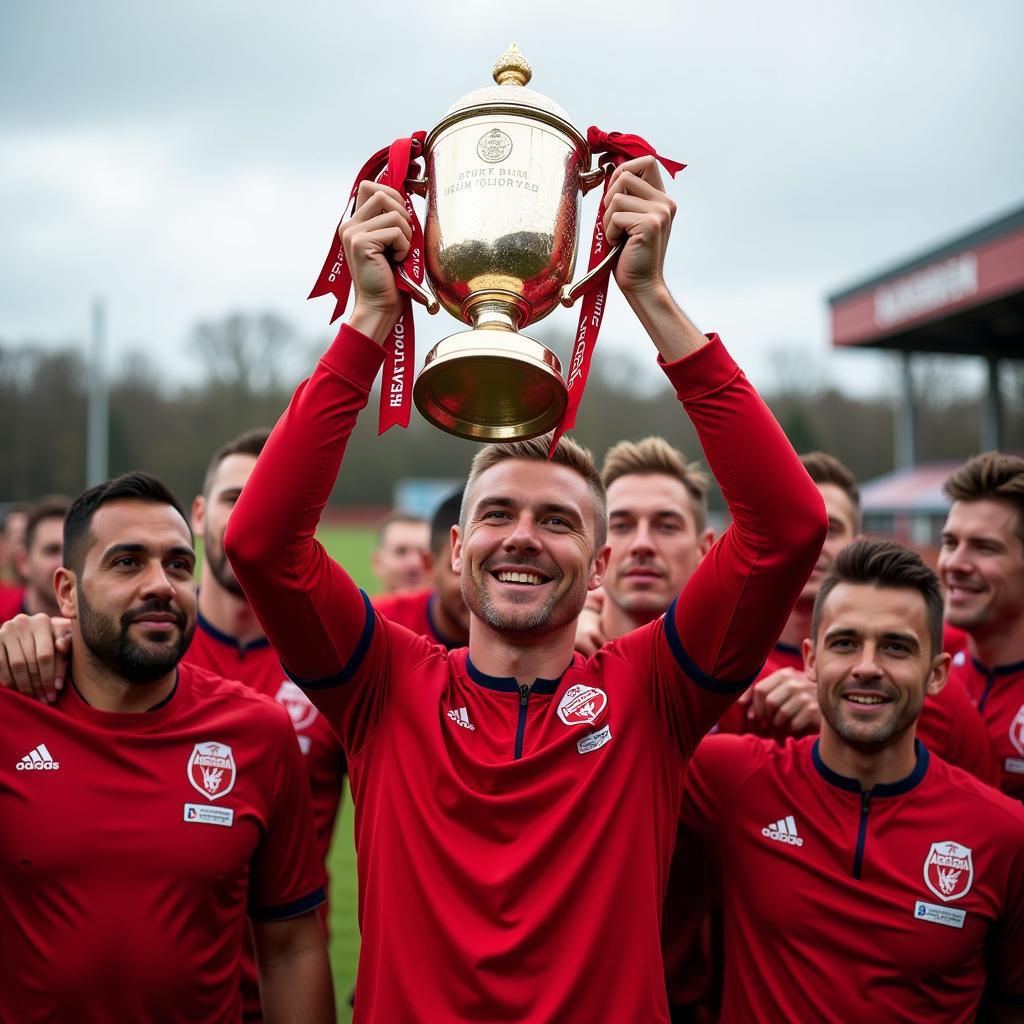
(504,174)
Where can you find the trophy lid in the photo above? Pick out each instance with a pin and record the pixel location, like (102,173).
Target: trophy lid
(511,73)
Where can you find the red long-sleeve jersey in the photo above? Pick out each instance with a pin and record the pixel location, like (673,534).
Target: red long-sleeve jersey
(513,843)
(904,903)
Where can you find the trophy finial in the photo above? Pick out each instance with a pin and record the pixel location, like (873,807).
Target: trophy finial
(512,68)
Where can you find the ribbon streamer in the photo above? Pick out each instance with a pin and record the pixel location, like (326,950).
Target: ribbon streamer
(617,148)
(390,166)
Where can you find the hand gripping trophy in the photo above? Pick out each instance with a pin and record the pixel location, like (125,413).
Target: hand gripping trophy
(503,175)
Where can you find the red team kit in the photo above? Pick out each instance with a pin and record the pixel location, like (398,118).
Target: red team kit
(543,817)
(198,808)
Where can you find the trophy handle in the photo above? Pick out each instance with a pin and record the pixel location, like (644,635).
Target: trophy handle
(571,292)
(417,186)
(591,179)
(419,292)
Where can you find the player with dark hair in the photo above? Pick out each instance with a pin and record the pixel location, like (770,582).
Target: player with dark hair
(229,642)
(401,557)
(155,805)
(438,611)
(861,878)
(981,563)
(38,559)
(517,803)
(783,702)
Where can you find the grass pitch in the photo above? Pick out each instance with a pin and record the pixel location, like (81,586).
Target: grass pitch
(352,548)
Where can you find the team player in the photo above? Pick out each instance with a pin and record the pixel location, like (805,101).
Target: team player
(12,529)
(981,563)
(516,805)
(783,702)
(437,611)
(860,877)
(153,806)
(229,642)
(401,557)
(38,559)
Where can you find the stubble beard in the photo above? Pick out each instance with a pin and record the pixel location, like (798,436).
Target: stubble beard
(871,738)
(221,569)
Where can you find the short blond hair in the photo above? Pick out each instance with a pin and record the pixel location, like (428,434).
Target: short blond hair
(991,476)
(656,455)
(567,453)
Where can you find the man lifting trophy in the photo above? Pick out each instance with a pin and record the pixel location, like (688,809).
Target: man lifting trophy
(503,175)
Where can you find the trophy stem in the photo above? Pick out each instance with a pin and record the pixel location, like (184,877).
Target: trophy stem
(494,315)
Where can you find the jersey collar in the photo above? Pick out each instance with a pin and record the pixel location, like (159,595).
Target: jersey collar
(508,684)
(792,650)
(999,670)
(224,638)
(898,788)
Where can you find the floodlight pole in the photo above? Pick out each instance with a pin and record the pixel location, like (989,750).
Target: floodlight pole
(97,419)
(992,415)
(906,418)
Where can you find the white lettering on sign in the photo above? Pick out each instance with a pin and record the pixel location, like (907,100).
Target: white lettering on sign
(926,290)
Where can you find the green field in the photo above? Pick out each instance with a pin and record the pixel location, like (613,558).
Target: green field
(352,548)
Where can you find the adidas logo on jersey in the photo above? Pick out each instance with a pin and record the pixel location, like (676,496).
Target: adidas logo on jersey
(783,831)
(460,716)
(38,760)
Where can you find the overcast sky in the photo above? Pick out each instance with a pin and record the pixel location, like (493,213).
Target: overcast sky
(187,159)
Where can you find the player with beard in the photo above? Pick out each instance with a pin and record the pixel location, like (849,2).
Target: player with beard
(229,642)
(153,806)
(516,804)
(861,878)
(981,563)
(438,611)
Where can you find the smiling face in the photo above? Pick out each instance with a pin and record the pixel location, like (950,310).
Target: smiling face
(981,565)
(872,662)
(842,528)
(526,552)
(654,542)
(134,601)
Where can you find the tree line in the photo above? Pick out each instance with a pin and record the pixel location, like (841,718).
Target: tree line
(172,430)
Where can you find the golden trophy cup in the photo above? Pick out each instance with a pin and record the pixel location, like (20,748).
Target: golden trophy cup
(505,170)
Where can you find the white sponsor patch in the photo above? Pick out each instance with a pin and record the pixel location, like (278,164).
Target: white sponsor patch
(203,814)
(1015,765)
(594,740)
(305,743)
(949,916)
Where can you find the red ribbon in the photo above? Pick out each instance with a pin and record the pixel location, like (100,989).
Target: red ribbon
(616,148)
(390,166)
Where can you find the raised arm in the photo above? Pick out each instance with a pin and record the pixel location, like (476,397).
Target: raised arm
(734,606)
(310,608)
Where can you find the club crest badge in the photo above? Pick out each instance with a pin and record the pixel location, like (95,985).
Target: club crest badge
(300,710)
(211,770)
(1017,732)
(949,870)
(582,705)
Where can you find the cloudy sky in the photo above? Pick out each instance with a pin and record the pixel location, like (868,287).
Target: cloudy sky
(186,159)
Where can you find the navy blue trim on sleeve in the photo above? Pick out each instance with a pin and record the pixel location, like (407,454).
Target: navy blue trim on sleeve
(293,909)
(351,667)
(683,660)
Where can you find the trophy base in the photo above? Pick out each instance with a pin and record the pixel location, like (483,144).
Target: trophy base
(491,385)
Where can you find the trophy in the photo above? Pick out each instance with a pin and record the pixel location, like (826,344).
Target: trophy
(505,172)
(503,176)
